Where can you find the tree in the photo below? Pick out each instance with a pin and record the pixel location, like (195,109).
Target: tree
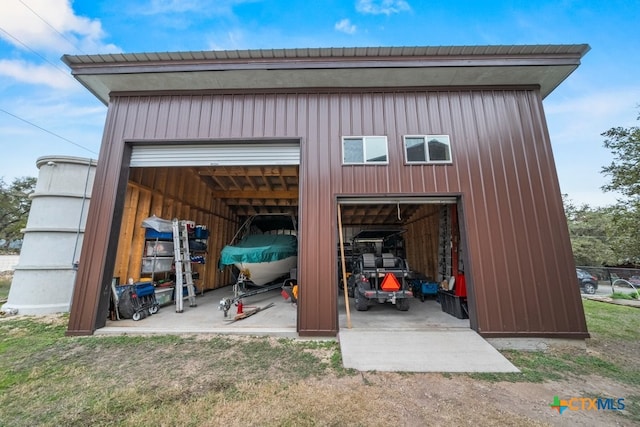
(624,174)
(590,233)
(14,209)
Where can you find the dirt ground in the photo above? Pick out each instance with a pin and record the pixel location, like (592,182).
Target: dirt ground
(434,399)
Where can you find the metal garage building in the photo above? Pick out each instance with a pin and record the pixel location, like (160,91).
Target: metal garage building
(215,136)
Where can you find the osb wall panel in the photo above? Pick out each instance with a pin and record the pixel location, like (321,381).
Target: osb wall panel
(172,193)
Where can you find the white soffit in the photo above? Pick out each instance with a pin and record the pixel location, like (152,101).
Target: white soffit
(545,66)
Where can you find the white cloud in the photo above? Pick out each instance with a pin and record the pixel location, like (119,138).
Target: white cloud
(43,30)
(345,26)
(48,75)
(203,7)
(576,123)
(382,7)
(587,116)
(51,26)
(230,40)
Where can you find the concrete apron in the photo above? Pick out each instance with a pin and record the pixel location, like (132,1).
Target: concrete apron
(446,350)
(423,339)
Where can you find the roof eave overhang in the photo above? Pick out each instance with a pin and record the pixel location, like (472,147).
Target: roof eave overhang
(104,75)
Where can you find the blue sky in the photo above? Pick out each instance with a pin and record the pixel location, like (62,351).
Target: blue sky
(44,111)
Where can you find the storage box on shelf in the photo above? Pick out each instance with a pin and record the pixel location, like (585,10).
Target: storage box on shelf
(158,253)
(158,248)
(153,265)
(158,259)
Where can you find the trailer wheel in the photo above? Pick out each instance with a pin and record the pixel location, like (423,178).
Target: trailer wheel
(153,309)
(362,304)
(136,316)
(402,304)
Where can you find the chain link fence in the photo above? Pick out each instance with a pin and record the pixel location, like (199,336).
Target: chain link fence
(615,277)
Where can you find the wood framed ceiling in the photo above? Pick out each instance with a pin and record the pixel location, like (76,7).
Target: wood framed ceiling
(250,190)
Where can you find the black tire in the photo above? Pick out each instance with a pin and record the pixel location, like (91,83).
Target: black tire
(125,305)
(154,309)
(136,316)
(362,304)
(402,304)
(589,288)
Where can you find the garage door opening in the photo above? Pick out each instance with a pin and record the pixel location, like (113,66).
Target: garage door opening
(416,240)
(216,187)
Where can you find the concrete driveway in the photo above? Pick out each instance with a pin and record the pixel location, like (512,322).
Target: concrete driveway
(423,339)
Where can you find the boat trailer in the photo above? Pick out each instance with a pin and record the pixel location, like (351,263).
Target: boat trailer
(240,292)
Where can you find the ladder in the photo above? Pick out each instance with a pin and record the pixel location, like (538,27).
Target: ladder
(444,244)
(184,275)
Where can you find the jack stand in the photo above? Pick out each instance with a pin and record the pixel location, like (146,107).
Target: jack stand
(225,305)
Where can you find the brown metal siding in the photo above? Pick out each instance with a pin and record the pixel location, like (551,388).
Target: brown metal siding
(90,299)
(519,263)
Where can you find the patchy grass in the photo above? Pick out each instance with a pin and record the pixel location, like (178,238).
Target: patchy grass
(5,284)
(613,328)
(624,295)
(48,379)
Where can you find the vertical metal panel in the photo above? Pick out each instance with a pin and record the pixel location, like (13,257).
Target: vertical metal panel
(92,286)
(519,259)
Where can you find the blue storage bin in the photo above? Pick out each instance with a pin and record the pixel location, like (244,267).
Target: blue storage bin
(429,288)
(201,233)
(150,233)
(145,288)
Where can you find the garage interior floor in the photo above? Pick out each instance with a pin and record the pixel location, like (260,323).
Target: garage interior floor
(423,339)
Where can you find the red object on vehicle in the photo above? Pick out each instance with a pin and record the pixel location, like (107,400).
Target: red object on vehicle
(390,283)
(460,290)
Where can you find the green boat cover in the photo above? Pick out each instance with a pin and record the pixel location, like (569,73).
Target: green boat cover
(260,248)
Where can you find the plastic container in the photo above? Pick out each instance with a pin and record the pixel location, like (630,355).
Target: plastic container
(150,233)
(156,265)
(164,295)
(452,304)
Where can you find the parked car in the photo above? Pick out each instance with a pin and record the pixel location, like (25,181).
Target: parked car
(588,283)
(635,280)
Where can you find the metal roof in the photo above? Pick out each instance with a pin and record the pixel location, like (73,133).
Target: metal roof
(493,65)
(343,52)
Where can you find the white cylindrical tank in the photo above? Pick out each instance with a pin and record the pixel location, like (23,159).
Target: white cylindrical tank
(44,277)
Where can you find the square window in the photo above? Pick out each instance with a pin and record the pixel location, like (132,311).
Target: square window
(427,149)
(353,150)
(364,150)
